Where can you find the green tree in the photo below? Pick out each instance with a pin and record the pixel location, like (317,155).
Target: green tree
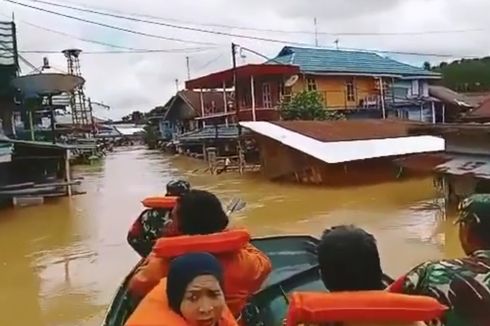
(151,136)
(307,105)
(427,65)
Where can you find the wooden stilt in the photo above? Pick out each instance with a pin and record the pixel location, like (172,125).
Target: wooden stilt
(68,172)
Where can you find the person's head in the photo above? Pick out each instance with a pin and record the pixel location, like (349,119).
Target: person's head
(349,260)
(474,223)
(177,188)
(200,212)
(194,288)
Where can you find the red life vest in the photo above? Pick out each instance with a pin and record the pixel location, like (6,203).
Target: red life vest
(363,306)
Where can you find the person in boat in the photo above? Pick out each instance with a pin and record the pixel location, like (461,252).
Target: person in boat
(154,223)
(191,295)
(349,260)
(462,284)
(203,223)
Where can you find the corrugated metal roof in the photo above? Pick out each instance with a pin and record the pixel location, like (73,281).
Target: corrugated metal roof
(129,130)
(476,166)
(337,61)
(5,153)
(210,133)
(326,131)
(345,151)
(7,52)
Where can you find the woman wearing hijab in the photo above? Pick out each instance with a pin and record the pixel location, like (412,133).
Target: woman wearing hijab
(191,295)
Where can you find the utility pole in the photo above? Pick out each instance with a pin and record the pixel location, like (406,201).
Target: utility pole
(233,54)
(316,31)
(188,68)
(235,87)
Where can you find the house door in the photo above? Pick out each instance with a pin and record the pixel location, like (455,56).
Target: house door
(266,95)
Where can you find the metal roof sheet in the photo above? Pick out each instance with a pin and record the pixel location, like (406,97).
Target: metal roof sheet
(345,151)
(324,60)
(477,166)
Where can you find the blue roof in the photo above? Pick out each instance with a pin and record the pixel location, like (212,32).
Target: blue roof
(209,133)
(337,61)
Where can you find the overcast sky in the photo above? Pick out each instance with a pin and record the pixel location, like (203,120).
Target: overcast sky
(130,82)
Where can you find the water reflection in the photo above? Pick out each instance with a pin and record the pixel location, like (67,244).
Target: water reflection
(61,262)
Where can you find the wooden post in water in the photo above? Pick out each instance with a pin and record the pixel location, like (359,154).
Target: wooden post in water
(211,154)
(67,172)
(241,160)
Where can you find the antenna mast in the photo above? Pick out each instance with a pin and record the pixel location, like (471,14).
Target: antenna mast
(81,112)
(316,31)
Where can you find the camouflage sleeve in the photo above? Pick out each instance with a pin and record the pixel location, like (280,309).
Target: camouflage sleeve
(414,280)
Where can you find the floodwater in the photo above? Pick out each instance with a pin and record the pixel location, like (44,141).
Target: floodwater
(60,263)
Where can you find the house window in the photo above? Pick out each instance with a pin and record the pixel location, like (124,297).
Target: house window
(280,87)
(311,84)
(266,95)
(415,88)
(351,96)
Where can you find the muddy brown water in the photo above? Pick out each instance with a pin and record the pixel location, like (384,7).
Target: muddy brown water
(60,263)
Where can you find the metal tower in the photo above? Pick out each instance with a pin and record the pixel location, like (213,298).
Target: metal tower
(81,112)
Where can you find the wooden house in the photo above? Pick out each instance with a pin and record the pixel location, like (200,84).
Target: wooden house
(336,152)
(183,112)
(360,84)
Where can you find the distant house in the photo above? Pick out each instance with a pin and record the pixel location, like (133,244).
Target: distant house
(361,84)
(184,112)
(336,152)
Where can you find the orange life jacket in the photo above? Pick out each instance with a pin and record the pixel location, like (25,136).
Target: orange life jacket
(155,311)
(245,267)
(160,202)
(363,306)
(216,243)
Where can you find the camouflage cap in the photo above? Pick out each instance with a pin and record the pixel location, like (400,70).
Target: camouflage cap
(475,209)
(178,187)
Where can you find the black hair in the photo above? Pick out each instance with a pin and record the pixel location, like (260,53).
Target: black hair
(349,260)
(481,231)
(200,212)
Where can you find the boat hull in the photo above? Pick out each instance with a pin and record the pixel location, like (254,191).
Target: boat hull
(294,268)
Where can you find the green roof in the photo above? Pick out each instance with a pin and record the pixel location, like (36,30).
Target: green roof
(316,60)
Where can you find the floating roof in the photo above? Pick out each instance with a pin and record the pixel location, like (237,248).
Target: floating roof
(339,151)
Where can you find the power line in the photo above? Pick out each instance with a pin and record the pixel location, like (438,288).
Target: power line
(131,50)
(408,33)
(217,32)
(208,31)
(109,26)
(201,30)
(183,50)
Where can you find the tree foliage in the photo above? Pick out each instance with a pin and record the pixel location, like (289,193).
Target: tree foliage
(151,135)
(307,105)
(466,75)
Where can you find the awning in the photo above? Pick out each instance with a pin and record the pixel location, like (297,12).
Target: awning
(217,79)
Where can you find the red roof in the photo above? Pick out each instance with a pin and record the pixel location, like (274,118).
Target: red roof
(482,113)
(215,80)
(346,130)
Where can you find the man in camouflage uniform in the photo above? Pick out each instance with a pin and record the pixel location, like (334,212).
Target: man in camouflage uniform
(155,223)
(461,284)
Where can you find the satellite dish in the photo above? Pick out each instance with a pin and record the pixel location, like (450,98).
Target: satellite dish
(291,81)
(47,84)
